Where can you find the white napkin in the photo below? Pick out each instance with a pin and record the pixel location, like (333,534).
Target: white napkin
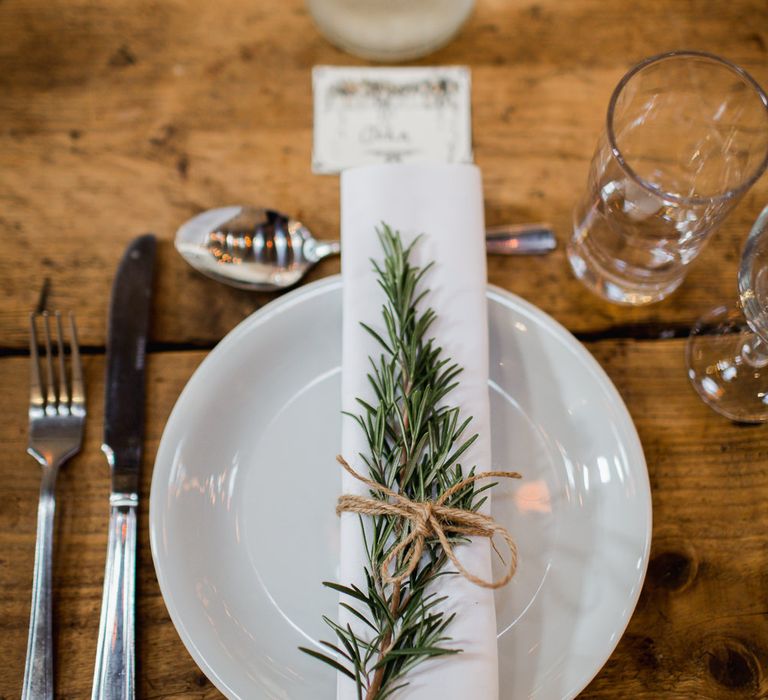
(445,203)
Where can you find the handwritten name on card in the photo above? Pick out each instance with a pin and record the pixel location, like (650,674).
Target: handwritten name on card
(390,115)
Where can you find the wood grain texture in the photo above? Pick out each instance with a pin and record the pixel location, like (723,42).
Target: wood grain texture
(126,116)
(699,631)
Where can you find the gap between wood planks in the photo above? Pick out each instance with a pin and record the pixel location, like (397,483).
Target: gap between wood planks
(101,349)
(639,332)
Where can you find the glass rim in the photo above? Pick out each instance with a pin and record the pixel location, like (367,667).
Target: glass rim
(658,192)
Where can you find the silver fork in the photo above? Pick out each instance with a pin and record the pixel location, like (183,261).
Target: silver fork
(56,418)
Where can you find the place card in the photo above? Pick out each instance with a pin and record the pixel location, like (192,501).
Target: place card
(390,115)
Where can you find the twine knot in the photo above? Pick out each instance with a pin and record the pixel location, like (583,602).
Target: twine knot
(428,520)
(424,512)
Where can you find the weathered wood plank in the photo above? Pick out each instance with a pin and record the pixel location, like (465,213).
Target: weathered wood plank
(700,629)
(123,117)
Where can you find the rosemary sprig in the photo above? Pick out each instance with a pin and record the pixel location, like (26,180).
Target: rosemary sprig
(414,446)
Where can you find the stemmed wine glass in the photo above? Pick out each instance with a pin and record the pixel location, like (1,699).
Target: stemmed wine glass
(727,351)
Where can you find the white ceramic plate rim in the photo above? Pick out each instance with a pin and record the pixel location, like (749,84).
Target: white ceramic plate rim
(321,287)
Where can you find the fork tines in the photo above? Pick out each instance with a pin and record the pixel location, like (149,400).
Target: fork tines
(58,394)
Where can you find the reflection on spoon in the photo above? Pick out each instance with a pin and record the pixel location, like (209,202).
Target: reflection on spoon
(264,250)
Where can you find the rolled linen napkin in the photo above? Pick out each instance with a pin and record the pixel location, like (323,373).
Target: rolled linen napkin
(445,204)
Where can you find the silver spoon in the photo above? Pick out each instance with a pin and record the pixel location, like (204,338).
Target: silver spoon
(264,250)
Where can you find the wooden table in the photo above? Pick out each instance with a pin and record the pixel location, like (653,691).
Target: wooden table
(126,116)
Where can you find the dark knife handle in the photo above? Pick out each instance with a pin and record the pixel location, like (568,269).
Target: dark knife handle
(113,678)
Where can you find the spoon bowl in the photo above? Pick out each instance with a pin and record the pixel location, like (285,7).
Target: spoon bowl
(263,250)
(251,247)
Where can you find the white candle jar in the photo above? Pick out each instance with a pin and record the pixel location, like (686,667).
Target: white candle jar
(390,30)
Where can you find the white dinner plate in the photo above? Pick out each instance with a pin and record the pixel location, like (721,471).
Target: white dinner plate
(242,519)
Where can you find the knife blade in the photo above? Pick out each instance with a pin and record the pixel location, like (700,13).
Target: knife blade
(126,350)
(123,435)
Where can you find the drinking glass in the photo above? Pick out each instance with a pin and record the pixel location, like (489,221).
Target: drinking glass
(390,30)
(727,351)
(686,136)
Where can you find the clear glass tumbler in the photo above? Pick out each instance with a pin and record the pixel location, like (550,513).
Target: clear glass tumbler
(686,136)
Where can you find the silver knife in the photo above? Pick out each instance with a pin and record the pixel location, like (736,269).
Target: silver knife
(113,677)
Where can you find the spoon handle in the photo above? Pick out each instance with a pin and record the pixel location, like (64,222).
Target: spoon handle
(322,249)
(520,239)
(511,239)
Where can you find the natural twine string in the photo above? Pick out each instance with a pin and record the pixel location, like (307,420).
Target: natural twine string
(430,519)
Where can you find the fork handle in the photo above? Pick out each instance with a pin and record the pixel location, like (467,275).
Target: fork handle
(38,670)
(113,678)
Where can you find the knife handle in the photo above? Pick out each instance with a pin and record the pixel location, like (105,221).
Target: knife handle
(113,678)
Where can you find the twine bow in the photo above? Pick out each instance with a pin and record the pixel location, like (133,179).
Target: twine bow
(430,519)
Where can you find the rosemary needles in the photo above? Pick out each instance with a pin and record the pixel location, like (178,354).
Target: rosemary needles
(414,444)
